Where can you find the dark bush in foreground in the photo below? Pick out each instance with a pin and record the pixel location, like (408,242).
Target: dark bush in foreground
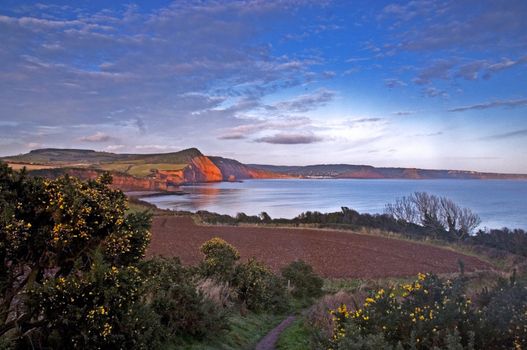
(171,293)
(304,281)
(72,274)
(258,288)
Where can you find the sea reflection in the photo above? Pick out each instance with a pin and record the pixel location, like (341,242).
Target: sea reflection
(499,203)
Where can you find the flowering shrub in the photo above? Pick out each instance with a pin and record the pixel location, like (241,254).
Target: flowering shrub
(95,302)
(431,313)
(68,253)
(220,259)
(254,284)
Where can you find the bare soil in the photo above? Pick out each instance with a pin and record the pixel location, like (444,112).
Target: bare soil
(334,254)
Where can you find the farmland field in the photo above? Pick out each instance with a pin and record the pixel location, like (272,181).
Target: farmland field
(140,169)
(333,254)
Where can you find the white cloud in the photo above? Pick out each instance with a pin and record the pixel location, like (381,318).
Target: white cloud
(97,137)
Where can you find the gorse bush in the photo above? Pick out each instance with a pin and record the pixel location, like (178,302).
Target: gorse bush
(95,302)
(219,259)
(73,274)
(68,255)
(432,313)
(253,284)
(303,279)
(514,241)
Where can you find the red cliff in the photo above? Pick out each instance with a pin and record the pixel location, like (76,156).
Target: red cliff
(198,169)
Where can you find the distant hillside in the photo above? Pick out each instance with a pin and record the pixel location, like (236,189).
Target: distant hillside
(166,171)
(348,171)
(80,156)
(161,171)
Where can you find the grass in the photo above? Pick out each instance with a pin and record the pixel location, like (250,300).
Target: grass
(145,169)
(244,333)
(295,337)
(140,169)
(28,166)
(136,205)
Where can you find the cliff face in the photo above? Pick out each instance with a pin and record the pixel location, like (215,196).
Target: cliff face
(202,169)
(232,170)
(198,169)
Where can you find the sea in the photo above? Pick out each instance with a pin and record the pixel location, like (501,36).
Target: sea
(499,203)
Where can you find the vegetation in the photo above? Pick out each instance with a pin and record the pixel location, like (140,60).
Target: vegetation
(438,215)
(52,156)
(432,313)
(138,165)
(258,288)
(295,337)
(303,280)
(514,241)
(139,168)
(219,261)
(73,276)
(69,255)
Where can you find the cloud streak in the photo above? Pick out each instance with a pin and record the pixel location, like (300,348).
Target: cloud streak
(97,137)
(492,104)
(290,139)
(507,135)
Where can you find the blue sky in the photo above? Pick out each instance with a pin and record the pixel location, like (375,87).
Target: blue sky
(431,84)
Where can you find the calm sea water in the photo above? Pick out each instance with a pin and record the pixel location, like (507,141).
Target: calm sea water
(498,203)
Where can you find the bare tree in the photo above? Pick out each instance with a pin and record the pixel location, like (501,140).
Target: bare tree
(428,206)
(435,213)
(467,222)
(403,209)
(450,212)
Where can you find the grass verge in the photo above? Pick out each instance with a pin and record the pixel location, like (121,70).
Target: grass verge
(295,337)
(243,334)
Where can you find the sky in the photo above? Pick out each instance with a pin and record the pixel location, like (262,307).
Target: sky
(428,84)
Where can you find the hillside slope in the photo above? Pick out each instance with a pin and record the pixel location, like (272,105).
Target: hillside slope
(166,171)
(131,172)
(348,171)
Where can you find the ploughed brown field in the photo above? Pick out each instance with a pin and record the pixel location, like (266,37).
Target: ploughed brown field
(334,254)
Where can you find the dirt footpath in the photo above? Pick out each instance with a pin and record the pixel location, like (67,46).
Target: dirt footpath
(337,254)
